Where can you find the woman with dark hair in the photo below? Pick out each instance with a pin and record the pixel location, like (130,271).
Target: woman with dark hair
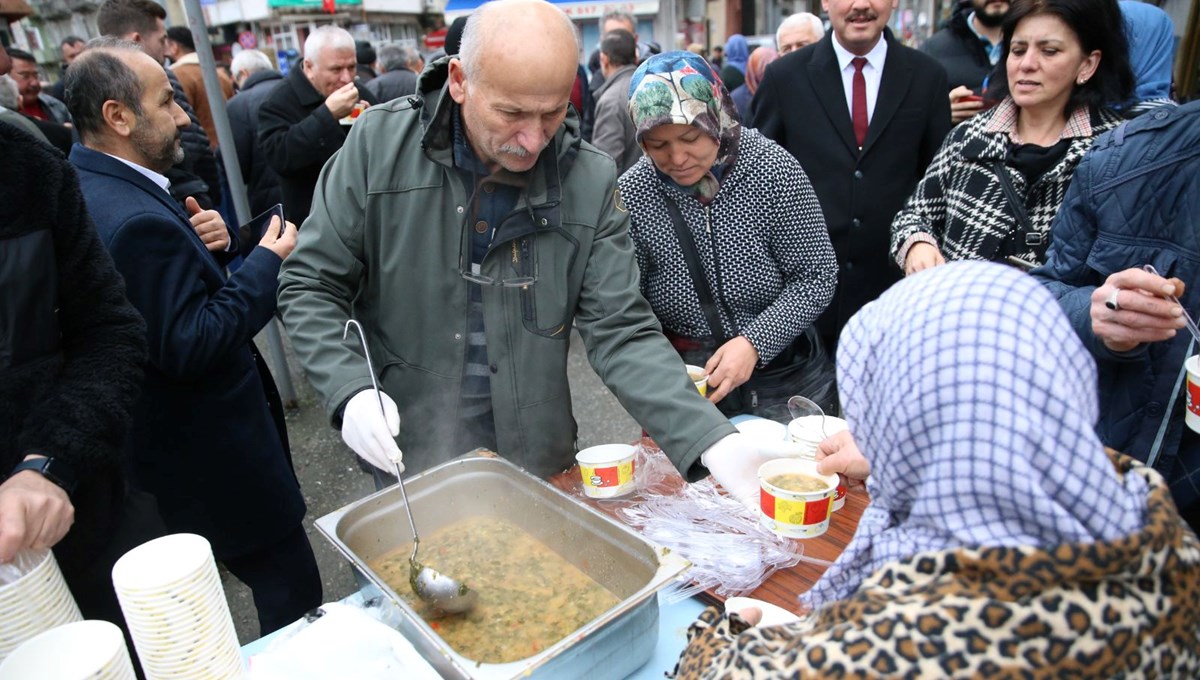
(998,180)
(744,208)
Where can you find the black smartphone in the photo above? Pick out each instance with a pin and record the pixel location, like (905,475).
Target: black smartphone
(1022,264)
(254,229)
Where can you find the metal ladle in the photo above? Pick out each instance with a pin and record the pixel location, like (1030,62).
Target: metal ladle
(430,585)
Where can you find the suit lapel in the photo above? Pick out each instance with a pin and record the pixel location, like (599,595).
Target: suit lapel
(102,164)
(826,79)
(893,85)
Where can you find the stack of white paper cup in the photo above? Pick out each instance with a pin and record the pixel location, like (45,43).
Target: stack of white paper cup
(34,603)
(84,650)
(175,608)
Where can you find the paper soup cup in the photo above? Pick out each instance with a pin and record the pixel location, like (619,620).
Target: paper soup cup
(699,378)
(795,514)
(607,470)
(1191,416)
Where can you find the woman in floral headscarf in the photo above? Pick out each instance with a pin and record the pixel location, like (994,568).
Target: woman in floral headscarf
(751,213)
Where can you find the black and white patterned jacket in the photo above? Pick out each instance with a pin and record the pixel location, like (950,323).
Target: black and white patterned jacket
(961,204)
(765,227)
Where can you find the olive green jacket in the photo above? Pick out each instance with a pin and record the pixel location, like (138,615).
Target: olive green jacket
(383,245)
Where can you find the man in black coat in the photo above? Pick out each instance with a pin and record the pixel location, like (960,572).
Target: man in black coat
(255,78)
(208,438)
(305,120)
(807,101)
(969,49)
(71,356)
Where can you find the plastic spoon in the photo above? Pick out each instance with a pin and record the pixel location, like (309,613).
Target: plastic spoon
(1187,318)
(800,407)
(432,586)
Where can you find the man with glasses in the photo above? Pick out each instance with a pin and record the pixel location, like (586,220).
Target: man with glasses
(467,227)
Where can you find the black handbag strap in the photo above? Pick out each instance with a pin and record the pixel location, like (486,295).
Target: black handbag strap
(1010,192)
(1025,234)
(688,246)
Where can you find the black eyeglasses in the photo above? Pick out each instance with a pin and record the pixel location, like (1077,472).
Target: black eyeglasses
(472,274)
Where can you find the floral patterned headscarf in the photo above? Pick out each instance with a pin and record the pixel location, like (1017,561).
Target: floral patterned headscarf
(682,88)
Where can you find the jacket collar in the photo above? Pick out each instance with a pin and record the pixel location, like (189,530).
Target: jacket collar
(617,77)
(103,164)
(261,77)
(305,92)
(189,58)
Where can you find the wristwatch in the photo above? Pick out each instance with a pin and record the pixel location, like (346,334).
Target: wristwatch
(52,469)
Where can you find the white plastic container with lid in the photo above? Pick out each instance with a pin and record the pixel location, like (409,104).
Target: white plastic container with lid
(809,432)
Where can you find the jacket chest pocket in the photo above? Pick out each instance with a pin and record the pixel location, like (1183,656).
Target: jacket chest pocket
(1109,256)
(546,308)
(29,307)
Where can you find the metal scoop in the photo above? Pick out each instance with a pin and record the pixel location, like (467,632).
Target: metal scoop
(431,586)
(800,407)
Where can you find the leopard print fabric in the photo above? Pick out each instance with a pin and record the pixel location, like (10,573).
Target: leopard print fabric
(1128,608)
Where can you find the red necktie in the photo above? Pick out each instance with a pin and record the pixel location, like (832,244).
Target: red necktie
(858,112)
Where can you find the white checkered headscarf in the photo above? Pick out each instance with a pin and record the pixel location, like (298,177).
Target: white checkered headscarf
(975,402)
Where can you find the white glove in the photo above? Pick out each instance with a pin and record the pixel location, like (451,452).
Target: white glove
(371,434)
(735,459)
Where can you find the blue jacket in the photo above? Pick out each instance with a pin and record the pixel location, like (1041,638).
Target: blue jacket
(205,440)
(1135,200)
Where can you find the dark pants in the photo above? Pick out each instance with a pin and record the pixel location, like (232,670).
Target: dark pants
(89,576)
(283,578)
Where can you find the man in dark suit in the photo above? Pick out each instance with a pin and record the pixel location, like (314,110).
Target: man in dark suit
(208,438)
(864,115)
(305,119)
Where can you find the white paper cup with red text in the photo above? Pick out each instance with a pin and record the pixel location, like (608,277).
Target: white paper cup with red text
(1191,417)
(607,470)
(789,512)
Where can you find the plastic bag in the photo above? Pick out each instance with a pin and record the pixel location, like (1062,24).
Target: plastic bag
(731,553)
(22,564)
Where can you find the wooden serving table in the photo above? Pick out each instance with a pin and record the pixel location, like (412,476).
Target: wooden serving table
(782,587)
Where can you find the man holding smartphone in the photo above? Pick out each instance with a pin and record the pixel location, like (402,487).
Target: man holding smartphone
(969,48)
(208,437)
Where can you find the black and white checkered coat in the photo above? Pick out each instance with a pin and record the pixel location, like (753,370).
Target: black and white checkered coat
(765,227)
(960,201)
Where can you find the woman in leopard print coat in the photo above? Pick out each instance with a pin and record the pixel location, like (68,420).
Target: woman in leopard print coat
(996,184)
(1001,540)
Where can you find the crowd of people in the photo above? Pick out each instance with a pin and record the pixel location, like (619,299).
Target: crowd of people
(765,217)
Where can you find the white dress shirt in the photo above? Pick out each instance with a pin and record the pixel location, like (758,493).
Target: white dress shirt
(872,73)
(158,179)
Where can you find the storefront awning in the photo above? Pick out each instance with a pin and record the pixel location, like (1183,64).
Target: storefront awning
(14,9)
(574,9)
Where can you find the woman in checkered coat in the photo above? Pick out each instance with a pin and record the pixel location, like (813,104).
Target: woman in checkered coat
(998,180)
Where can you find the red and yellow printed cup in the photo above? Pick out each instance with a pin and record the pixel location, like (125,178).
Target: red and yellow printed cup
(607,470)
(1191,416)
(791,512)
